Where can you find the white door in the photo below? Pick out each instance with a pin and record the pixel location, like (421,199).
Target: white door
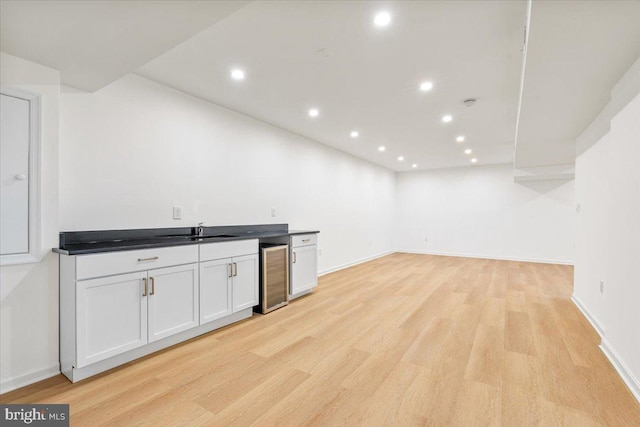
(304,269)
(173,300)
(14,175)
(245,282)
(215,289)
(111,316)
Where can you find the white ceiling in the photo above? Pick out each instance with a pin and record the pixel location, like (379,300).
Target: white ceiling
(577,51)
(94,43)
(369,80)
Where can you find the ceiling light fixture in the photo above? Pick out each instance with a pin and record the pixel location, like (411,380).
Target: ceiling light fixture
(354,134)
(474,160)
(446,118)
(467,151)
(314,112)
(460,138)
(381,148)
(382,19)
(400,158)
(426,86)
(237,74)
(414,165)
(470,102)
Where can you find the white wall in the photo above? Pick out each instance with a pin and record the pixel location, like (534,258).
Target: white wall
(481,212)
(134,149)
(592,244)
(608,238)
(29,292)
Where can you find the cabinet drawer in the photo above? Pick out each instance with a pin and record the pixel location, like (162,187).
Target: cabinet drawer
(96,265)
(210,251)
(304,240)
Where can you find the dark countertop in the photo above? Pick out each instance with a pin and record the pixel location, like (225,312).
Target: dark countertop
(90,242)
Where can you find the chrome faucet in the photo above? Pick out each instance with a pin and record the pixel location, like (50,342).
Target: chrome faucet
(200,229)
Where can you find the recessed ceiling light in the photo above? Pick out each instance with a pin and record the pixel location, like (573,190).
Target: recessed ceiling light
(414,165)
(237,74)
(381,148)
(382,19)
(354,134)
(474,160)
(467,151)
(314,112)
(460,138)
(447,118)
(400,158)
(426,86)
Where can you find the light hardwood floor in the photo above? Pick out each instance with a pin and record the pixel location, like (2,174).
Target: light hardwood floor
(405,340)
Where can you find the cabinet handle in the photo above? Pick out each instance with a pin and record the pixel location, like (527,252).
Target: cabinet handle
(153,286)
(295,258)
(235,269)
(153,258)
(306,240)
(144,281)
(230,270)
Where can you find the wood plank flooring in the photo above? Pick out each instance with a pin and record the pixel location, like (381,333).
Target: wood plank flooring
(401,340)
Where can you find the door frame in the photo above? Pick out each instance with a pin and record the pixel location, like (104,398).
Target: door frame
(34,253)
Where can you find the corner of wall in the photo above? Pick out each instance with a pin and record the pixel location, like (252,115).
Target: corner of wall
(622,93)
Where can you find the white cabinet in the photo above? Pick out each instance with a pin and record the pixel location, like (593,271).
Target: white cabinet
(172,300)
(304,271)
(215,289)
(118,306)
(107,264)
(115,302)
(245,282)
(119,313)
(228,284)
(304,264)
(111,316)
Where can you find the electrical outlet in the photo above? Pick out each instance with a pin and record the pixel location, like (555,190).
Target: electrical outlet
(578,208)
(426,239)
(273,212)
(177,212)
(602,286)
(319,252)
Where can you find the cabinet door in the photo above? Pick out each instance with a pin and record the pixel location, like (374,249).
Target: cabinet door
(215,289)
(173,300)
(14,164)
(245,282)
(111,316)
(304,269)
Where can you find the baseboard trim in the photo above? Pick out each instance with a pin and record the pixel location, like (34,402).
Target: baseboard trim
(583,309)
(464,255)
(623,370)
(15,383)
(351,264)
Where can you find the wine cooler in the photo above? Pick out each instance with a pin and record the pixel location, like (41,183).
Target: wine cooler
(274,277)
